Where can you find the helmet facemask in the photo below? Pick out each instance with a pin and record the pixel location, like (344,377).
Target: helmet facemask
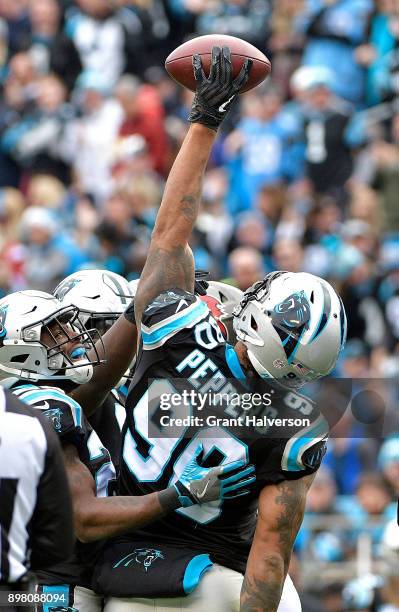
(99,321)
(63,328)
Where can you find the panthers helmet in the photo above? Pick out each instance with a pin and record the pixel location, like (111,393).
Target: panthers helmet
(100,295)
(24,316)
(293,325)
(224,298)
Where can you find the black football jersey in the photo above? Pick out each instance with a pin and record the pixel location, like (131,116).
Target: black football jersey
(107,421)
(70,424)
(182,348)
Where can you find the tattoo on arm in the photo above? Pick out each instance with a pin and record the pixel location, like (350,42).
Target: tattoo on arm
(264,579)
(164,269)
(189,207)
(291,515)
(259,595)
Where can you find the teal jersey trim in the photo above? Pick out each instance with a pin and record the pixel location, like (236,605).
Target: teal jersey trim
(170,327)
(30,397)
(294,459)
(194,572)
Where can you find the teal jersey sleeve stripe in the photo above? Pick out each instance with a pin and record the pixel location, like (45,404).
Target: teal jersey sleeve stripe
(30,397)
(194,572)
(312,434)
(200,310)
(23,388)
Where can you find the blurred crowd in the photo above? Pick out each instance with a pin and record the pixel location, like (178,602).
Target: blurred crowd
(304,177)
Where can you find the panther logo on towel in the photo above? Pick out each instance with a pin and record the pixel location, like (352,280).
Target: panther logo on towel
(144,556)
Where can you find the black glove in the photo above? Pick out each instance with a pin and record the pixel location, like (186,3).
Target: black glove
(215,94)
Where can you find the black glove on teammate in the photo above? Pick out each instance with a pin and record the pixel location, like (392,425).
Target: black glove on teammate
(215,94)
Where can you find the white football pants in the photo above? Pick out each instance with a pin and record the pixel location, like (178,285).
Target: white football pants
(218,591)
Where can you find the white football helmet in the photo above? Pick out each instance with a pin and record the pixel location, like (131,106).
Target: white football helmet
(100,295)
(26,317)
(227,297)
(293,325)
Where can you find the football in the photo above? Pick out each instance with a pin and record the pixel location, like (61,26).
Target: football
(179,62)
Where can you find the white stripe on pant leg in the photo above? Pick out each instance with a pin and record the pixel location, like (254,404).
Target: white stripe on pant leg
(219,590)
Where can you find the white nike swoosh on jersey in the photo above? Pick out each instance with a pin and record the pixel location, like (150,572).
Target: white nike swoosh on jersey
(181,304)
(201,495)
(43,406)
(222,108)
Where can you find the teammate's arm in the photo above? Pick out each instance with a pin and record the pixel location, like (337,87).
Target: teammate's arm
(170,262)
(281,509)
(103,517)
(117,350)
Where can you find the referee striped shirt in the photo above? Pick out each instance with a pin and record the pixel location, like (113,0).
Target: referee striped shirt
(35,507)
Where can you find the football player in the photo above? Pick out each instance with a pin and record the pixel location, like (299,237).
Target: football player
(290,329)
(44,344)
(101,297)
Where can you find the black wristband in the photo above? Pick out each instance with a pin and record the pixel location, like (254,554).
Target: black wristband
(129,313)
(169,499)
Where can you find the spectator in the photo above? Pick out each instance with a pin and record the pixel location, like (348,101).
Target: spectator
(288,255)
(109,40)
(247,19)
(246,267)
(47,191)
(258,150)
(138,121)
(383,159)
(34,141)
(12,205)
(326,121)
(15,14)
(87,139)
(50,254)
(334,30)
(388,462)
(328,543)
(52,50)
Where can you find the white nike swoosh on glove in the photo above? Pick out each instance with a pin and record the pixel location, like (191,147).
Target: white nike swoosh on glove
(222,108)
(201,495)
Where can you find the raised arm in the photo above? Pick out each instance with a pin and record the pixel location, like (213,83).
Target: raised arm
(170,262)
(281,509)
(117,350)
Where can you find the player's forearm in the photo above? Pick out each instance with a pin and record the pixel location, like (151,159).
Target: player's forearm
(170,262)
(117,351)
(263,585)
(180,203)
(110,516)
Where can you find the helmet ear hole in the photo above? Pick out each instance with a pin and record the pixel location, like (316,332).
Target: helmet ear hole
(254,324)
(312,297)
